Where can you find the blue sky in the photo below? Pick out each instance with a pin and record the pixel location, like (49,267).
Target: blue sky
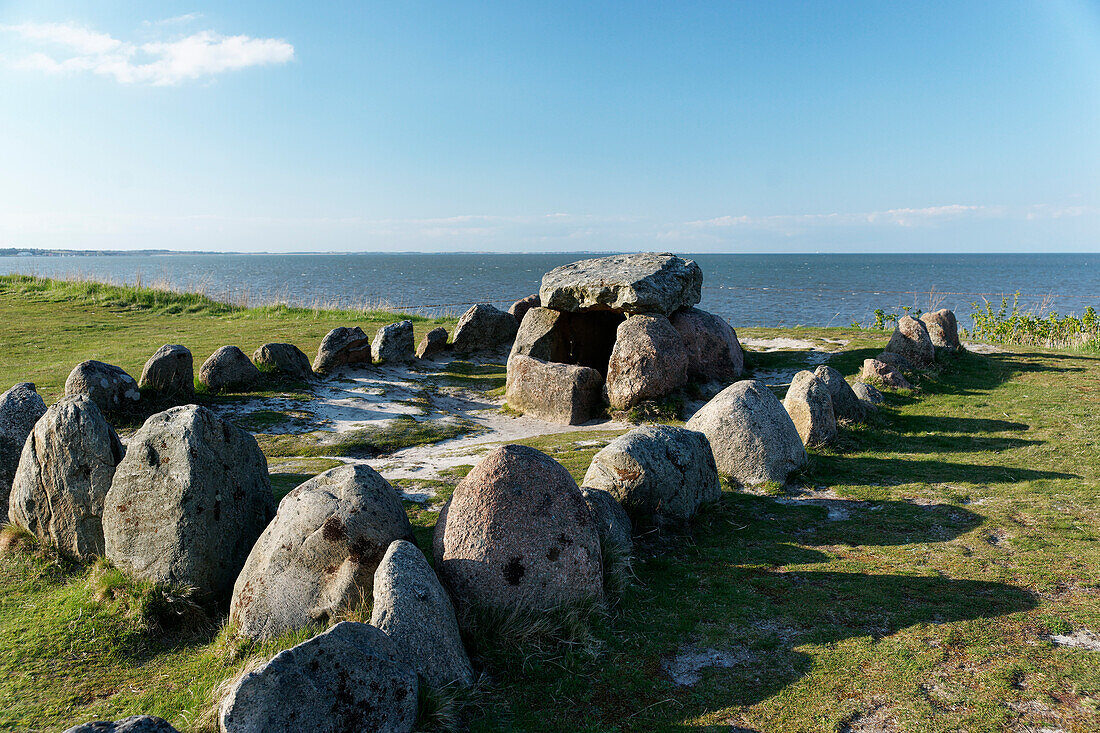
(511,126)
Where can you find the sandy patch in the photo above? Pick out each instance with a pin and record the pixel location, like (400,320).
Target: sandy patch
(981,348)
(1080,639)
(777,344)
(686,667)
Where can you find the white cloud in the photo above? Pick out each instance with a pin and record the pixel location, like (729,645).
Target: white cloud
(160,63)
(906,217)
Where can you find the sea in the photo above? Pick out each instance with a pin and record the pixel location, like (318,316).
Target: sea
(745,289)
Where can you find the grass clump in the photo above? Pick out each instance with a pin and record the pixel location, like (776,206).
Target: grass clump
(151,606)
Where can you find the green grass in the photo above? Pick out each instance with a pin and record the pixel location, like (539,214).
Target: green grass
(971,533)
(403,431)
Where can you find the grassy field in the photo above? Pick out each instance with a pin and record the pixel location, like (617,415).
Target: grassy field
(917,589)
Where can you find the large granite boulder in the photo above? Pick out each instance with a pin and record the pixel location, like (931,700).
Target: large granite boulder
(518,535)
(64,474)
(394,343)
(810,406)
(434,342)
(228,368)
(942,327)
(883,375)
(648,361)
(348,678)
(561,393)
(660,474)
(169,372)
(340,346)
(868,395)
(188,501)
(20,408)
(846,405)
(544,335)
(612,521)
(318,556)
(520,307)
(285,359)
(911,340)
(897,361)
(752,436)
(630,283)
(484,328)
(416,613)
(714,353)
(108,386)
(133,724)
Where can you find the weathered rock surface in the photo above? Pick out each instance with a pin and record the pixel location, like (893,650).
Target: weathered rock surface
(342,346)
(544,335)
(108,386)
(286,359)
(484,328)
(520,307)
(612,521)
(714,353)
(630,283)
(868,395)
(394,343)
(434,342)
(911,340)
(170,371)
(517,534)
(660,474)
(133,724)
(811,409)
(188,501)
(897,361)
(648,361)
(883,375)
(20,408)
(561,393)
(753,438)
(318,556)
(416,613)
(65,471)
(347,679)
(846,404)
(943,328)
(228,367)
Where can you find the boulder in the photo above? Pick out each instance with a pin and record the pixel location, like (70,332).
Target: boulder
(108,386)
(394,343)
(752,436)
(846,405)
(286,359)
(64,474)
(520,307)
(484,328)
(561,393)
(660,474)
(911,340)
(714,353)
(882,374)
(811,409)
(133,724)
(342,346)
(318,556)
(416,613)
(434,342)
(20,408)
(648,361)
(543,335)
(169,372)
(612,521)
(517,535)
(348,678)
(868,395)
(629,283)
(942,327)
(188,501)
(895,360)
(226,368)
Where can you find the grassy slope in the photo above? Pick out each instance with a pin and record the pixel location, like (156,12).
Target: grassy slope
(928,605)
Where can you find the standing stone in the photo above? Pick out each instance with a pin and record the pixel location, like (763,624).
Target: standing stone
(348,678)
(394,343)
(561,393)
(518,535)
(170,372)
(811,409)
(896,360)
(630,283)
(108,386)
(846,405)
(868,395)
(648,361)
(64,474)
(434,342)
(660,474)
(883,375)
(133,724)
(342,346)
(520,307)
(286,359)
(714,353)
(226,368)
(543,335)
(942,327)
(484,328)
(752,436)
(318,556)
(20,408)
(416,613)
(188,501)
(612,521)
(911,340)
